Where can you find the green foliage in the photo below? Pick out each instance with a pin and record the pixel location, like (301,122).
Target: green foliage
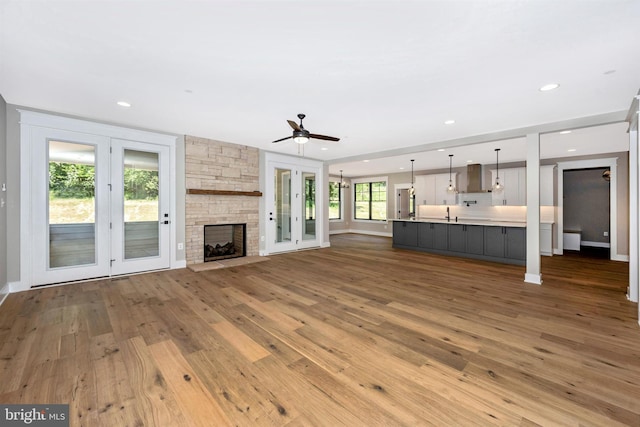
(68,180)
(76,181)
(140,184)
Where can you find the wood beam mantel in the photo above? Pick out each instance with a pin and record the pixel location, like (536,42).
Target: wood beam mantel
(223,192)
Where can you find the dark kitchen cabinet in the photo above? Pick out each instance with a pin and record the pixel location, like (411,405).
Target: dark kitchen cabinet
(405,233)
(505,242)
(467,239)
(515,243)
(432,236)
(485,242)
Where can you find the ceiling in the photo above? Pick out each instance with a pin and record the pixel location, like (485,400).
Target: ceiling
(381,75)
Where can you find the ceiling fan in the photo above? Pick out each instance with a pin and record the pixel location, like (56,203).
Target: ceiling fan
(301,135)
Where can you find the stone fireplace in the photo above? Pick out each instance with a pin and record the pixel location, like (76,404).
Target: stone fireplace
(224,241)
(222,180)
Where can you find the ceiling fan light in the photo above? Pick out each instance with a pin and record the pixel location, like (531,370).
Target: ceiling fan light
(301,139)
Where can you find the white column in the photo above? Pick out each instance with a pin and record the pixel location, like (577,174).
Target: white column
(532,274)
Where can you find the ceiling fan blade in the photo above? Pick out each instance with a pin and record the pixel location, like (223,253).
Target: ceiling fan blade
(293,124)
(324,137)
(282,139)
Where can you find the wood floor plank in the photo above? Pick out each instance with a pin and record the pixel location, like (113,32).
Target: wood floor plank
(197,405)
(357,334)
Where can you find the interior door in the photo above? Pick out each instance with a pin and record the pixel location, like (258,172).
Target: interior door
(70,196)
(140,229)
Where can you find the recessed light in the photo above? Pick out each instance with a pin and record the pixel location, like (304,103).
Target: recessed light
(401,168)
(449,122)
(324,148)
(440,149)
(564,132)
(550,86)
(366,161)
(571,150)
(469,161)
(124,104)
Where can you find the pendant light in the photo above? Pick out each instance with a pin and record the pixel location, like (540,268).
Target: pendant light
(412,191)
(342,183)
(497,187)
(451,189)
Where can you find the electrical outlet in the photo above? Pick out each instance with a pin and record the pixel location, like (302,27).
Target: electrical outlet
(262,238)
(606,234)
(180,246)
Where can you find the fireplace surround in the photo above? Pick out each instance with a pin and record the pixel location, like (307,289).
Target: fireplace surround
(224,241)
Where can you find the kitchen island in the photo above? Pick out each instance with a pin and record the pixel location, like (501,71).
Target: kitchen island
(488,240)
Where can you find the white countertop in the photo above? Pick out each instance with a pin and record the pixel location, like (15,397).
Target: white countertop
(470,221)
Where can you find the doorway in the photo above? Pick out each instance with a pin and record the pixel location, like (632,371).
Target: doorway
(95,206)
(609,164)
(293,206)
(586,213)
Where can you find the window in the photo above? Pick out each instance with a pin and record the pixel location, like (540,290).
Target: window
(370,200)
(335,201)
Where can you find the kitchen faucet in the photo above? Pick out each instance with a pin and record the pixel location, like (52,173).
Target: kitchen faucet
(448,217)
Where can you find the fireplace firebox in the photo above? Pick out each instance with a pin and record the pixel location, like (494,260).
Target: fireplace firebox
(224,241)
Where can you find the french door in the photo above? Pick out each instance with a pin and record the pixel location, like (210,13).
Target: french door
(99,206)
(292,207)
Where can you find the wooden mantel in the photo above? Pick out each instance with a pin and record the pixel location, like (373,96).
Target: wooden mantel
(223,192)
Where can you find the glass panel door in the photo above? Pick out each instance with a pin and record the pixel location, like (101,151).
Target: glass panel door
(139,207)
(283,205)
(292,206)
(72,204)
(310,215)
(69,185)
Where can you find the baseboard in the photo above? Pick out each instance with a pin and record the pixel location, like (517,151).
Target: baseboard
(623,258)
(326,245)
(4,292)
(557,251)
(595,244)
(179,264)
(535,279)
(370,233)
(339,232)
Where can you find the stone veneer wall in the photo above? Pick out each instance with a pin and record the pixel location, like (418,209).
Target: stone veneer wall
(215,165)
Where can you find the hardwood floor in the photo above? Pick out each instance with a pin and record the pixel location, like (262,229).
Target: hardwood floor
(358,334)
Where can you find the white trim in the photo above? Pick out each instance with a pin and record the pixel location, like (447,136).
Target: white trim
(396,188)
(610,163)
(622,258)
(339,231)
(534,279)
(30,120)
(5,291)
(370,233)
(594,244)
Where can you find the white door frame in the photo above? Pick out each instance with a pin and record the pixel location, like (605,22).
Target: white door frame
(300,165)
(612,164)
(119,264)
(30,121)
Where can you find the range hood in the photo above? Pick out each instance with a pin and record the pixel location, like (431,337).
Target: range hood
(474,178)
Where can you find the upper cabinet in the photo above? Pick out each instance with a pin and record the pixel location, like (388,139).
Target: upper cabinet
(547,185)
(432,189)
(515,186)
(514,181)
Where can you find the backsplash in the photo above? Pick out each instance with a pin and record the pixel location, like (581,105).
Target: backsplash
(497,213)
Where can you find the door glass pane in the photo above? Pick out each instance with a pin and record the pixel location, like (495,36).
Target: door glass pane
(283,205)
(72,204)
(141,207)
(309,232)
